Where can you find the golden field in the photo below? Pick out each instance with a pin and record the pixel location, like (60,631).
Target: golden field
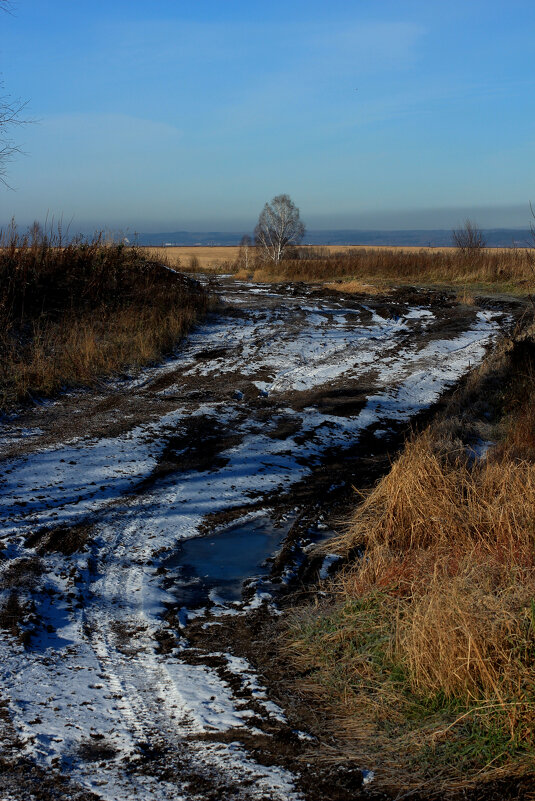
(207,257)
(215,256)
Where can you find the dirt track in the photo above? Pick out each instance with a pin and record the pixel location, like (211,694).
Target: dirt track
(137,520)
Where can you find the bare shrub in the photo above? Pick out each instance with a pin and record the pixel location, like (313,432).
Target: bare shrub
(469,237)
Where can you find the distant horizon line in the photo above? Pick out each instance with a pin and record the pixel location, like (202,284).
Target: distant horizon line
(495,236)
(426,237)
(436,228)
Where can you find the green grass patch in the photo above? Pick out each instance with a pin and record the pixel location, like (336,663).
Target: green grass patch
(346,652)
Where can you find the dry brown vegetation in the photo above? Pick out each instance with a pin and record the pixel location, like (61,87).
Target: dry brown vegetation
(426,651)
(358,287)
(348,267)
(73,312)
(498,268)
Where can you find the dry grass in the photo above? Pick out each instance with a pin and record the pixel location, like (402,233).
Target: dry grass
(219,257)
(454,546)
(195,258)
(466,297)
(73,312)
(357,287)
(427,651)
(79,349)
(261,274)
(498,269)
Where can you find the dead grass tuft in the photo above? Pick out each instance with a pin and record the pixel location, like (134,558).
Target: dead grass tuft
(432,497)
(466,297)
(357,287)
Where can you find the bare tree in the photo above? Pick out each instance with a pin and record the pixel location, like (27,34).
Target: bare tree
(279,227)
(36,233)
(10,116)
(469,237)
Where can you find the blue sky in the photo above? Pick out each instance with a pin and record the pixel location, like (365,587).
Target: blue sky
(167,115)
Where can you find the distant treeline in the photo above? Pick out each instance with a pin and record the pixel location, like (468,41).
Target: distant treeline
(494,237)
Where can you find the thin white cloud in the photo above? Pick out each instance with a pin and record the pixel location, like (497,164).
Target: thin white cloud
(121,128)
(266,48)
(366,46)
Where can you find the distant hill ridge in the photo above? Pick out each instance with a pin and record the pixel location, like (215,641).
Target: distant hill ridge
(494,237)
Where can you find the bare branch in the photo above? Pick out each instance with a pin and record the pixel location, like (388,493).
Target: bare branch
(10,116)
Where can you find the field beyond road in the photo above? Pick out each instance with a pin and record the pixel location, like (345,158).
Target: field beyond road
(207,257)
(509,271)
(218,255)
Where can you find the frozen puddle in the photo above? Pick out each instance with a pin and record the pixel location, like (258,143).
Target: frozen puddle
(102,535)
(216,566)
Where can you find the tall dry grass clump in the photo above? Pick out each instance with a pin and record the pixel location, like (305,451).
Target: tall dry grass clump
(73,311)
(453,547)
(427,648)
(433,497)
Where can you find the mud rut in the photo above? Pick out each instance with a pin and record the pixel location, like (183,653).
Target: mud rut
(120,678)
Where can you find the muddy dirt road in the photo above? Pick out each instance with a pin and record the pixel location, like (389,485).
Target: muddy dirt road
(190,492)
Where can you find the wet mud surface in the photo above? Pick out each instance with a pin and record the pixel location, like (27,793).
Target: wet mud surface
(153,529)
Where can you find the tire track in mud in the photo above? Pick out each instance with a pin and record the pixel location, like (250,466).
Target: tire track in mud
(234,428)
(159,718)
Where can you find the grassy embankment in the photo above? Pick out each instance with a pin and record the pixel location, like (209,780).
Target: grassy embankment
(73,312)
(425,652)
(360,269)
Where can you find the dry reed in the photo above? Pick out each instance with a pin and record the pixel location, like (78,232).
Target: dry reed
(454,546)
